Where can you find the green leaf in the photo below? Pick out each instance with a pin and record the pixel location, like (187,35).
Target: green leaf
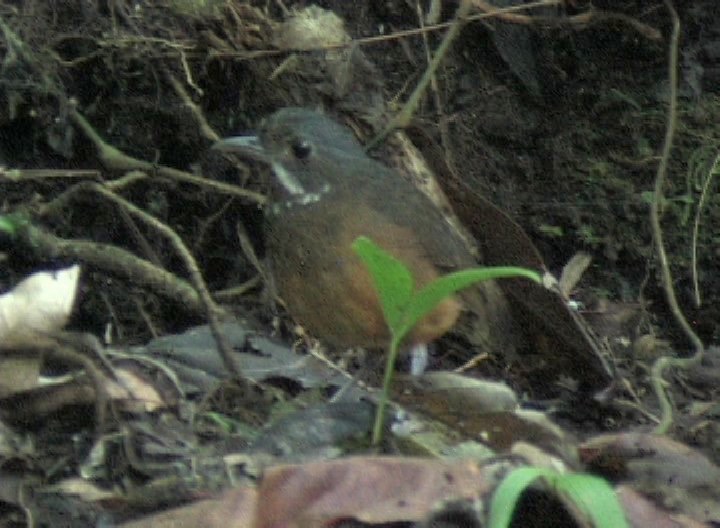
(595,497)
(551,230)
(6,225)
(393,281)
(684,199)
(648,197)
(507,494)
(394,284)
(11,223)
(402,307)
(424,301)
(592,495)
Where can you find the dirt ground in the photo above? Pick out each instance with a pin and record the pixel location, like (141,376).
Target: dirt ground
(559,122)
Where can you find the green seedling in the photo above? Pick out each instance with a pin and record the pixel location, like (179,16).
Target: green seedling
(9,224)
(592,496)
(403,306)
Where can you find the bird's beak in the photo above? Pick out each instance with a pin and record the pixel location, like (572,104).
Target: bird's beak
(246,145)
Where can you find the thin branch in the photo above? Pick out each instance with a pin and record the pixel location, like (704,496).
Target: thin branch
(714,169)
(663,363)
(507,14)
(114,159)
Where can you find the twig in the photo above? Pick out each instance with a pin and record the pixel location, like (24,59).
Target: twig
(402,118)
(205,128)
(591,16)
(115,159)
(17,175)
(696,226)
(238,291)
(212,310)
(154,275)
(113,260)
(659,367)
(442,117)
(249,251)
(507,14)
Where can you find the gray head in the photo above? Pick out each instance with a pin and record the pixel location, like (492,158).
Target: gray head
(309,152)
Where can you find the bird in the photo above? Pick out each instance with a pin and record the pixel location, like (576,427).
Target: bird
(327,192)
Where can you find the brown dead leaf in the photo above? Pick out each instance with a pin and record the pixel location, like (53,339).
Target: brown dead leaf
(641,512)
(369,489)
(676,476)
(234,509)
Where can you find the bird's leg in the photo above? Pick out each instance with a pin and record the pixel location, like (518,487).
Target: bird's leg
(418,359)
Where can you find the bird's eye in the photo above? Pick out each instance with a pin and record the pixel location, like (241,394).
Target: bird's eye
(301,149)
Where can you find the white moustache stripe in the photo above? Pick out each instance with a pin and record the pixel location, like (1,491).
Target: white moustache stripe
(300,200)
(287,180)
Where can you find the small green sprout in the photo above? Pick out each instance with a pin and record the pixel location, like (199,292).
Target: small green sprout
(403,306)
(593,496)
